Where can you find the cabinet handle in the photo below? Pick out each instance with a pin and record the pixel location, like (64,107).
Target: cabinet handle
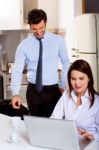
(9,79)
(75,56)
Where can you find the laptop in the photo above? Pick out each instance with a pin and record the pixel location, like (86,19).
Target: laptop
(51,133)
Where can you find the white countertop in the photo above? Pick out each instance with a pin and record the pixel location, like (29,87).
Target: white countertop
(23,144)
(5,132)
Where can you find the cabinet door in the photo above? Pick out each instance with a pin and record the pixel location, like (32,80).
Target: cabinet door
(11,14)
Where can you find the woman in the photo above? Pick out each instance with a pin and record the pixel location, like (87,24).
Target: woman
(80,102)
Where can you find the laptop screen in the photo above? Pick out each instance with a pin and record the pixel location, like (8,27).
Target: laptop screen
(51,133)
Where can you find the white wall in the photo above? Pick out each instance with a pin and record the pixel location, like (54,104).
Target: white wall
(77,7)
(51,8)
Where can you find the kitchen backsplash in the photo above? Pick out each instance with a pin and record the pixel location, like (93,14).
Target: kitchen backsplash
(9,40)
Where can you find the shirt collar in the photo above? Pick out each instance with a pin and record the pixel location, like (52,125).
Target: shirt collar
(43,36)
(83,98)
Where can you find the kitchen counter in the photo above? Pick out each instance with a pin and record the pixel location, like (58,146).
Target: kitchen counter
(23,143)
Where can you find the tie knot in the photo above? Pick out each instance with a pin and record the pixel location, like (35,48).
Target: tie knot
(39,39)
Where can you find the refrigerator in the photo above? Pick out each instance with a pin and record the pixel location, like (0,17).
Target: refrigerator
(86,42)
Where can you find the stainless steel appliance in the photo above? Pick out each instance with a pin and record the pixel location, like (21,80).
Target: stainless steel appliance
(86,42)
(7,87)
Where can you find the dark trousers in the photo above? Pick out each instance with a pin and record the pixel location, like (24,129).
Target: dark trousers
(42,103)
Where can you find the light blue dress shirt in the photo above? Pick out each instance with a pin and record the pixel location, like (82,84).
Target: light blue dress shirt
(28,52)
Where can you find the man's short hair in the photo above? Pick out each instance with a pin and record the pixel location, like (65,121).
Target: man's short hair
(36,15)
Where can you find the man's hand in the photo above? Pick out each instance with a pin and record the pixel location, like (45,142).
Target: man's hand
(16,102)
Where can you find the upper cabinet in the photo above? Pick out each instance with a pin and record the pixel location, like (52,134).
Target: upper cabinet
(13,13)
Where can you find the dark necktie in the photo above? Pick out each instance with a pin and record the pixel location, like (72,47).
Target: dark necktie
(39,68)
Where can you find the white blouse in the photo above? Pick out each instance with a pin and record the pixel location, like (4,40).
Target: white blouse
(85,117)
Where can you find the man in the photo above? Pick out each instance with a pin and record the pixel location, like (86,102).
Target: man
(40,102)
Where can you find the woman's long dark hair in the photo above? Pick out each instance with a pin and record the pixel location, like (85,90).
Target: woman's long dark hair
(84,67)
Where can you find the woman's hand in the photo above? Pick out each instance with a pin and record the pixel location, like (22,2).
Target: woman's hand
(85,134)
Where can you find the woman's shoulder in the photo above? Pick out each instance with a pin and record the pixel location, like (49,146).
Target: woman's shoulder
(66,93)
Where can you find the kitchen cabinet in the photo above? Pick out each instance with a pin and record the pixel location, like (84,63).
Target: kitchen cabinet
(11,14)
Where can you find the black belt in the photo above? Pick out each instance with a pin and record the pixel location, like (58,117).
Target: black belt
(44,86)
